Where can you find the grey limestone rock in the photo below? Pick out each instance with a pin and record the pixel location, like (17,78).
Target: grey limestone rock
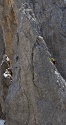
(51,15)
(37,95)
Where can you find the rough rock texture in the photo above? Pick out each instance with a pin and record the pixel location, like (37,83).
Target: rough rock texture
(2,46)
(9,23)
(2,51)
(6,79)
(37,95)
(51,15)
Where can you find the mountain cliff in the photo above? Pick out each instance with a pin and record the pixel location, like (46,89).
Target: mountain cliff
(32,32)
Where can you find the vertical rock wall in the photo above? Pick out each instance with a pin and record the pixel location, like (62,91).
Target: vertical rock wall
(9,24)
(51,15)
(2,45)
(2,51)
(37,94)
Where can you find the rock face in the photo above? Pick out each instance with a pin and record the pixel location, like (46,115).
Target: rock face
(2,45)
(9,23)
(4,85)
(2,51)
(51,15)
(37,95)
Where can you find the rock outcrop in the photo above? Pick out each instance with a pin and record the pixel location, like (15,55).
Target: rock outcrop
(37,95)
(51,15)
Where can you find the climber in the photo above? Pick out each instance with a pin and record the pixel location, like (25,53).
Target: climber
(10,71)
(6,59)
(53,60)
(7,74)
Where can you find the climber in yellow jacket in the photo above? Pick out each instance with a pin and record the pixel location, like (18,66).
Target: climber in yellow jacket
(53,60)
